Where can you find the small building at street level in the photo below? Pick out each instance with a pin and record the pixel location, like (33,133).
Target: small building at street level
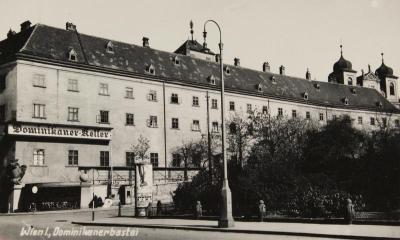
(72,103)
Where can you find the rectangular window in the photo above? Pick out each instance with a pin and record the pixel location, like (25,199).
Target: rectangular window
(130,159)
(308,115)
(152,96)
(215,127)
(360,120)
(196,125)
(397,123)
(73,114)
(130,119)
(129,92)
(174,98)
(38,157)
(294,114)
(152,122)
(39,80)
(103,117)
(249,108)
(73,85)
(104,158)
(321,117)
(265,110)
(2,82)
(280,112)
(2,113)
(384,122)
(39,111)
(372,121)
(154,159)
(232,106)
(176,160)
(73,157)
(103,89)
(175,123)
(214,103)
(195,101)
(334,117)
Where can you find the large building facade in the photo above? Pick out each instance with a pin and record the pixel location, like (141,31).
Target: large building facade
(71,103)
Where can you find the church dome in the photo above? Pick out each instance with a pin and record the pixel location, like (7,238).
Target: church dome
(342,64)
(384,70)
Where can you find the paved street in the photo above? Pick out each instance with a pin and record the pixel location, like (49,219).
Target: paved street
(10,227)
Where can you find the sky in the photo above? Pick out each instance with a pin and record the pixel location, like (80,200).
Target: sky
(298,34)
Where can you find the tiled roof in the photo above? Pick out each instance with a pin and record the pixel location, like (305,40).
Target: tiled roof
(52,45)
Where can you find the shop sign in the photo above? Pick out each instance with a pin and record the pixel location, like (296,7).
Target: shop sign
(58,131)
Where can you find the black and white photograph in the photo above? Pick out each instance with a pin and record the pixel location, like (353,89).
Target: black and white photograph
(212,119)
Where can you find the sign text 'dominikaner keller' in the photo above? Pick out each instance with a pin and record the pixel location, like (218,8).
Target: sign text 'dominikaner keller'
(58,131)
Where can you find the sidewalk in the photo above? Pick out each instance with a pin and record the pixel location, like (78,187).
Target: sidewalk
(273,228)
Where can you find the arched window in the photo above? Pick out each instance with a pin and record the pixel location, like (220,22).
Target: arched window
(391,89)
(350,81)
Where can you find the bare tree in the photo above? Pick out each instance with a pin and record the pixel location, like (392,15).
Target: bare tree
(193,153)
(140,148)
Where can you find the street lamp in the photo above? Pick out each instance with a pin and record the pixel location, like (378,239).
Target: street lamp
(226,219)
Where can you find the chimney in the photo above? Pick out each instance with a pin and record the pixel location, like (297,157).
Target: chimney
(11,33)
(25,25)
(70,26)
(282,70)
(237,62)
(369,68)
(362,72)
(266,67)
(216,57)
(145,42)
(308,75)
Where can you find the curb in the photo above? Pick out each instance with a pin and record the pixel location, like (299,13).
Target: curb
(216,229)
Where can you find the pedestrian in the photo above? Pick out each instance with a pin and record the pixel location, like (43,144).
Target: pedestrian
(159,208)
(261,211)
(150,209)
(198,210)
(349,212)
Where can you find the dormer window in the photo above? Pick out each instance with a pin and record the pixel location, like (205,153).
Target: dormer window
(305,96)
(346,101)
(273,79)
(72,56)
(150,69)
(317,86)
(379,104)
(211,80)
(176,60)
(110,47)
(353,91)
(227,70)
(259,87)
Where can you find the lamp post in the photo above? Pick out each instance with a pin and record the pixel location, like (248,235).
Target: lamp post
(226,219)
